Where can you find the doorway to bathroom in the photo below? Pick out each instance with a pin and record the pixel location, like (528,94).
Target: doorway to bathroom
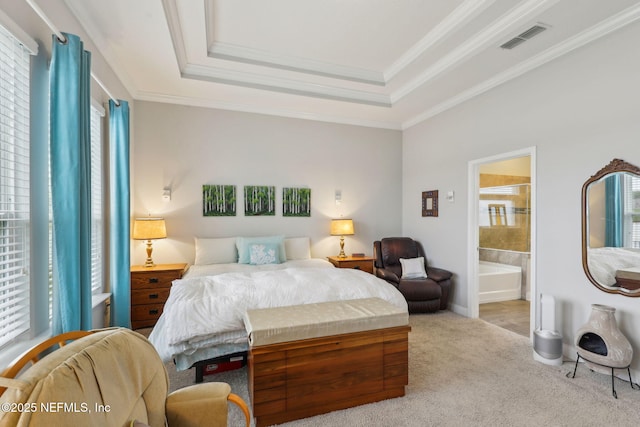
(502,240)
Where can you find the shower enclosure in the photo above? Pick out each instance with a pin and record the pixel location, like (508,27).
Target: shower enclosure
(505,239)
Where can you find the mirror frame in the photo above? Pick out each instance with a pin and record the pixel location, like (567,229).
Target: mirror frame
(616,165)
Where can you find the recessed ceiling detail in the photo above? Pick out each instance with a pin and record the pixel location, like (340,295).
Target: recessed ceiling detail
(475,44)
(449,25)
(252,56)
(380,63)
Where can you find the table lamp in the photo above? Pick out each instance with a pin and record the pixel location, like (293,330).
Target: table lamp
(341,227)
(149,229)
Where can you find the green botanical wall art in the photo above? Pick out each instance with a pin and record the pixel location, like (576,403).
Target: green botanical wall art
(259,200)
(296,202)
(219,200)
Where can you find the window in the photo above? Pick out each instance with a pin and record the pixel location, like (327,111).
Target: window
(631,190)
(97,223)
(14,188)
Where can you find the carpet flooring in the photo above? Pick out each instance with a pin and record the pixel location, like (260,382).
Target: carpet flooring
(467,372)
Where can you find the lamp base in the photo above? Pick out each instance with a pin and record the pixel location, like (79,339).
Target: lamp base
(149,261)
(342,254)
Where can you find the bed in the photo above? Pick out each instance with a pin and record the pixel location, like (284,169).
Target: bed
(609,265)
(202,319)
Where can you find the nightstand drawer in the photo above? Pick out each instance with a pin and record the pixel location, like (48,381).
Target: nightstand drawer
(149,296)
(147,311)
(360,265)
(153,279)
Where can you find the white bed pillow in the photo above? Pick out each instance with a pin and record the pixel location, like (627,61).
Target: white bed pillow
(216,251)
(297,248)
(244,243)
(413,268)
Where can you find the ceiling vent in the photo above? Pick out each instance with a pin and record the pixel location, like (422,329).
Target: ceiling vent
(526,35)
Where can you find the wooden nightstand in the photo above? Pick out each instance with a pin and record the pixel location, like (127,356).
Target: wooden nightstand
(360,263)
(149,291)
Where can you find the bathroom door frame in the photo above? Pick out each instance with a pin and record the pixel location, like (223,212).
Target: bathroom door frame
(473,234)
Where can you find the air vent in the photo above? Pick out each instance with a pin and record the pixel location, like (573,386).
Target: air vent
(526,35)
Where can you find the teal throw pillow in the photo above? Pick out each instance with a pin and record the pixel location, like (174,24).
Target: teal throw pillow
(244,244)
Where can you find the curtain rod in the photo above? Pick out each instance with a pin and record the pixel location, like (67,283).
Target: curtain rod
(63,39)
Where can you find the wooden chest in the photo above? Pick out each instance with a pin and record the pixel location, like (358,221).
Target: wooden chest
(303,378)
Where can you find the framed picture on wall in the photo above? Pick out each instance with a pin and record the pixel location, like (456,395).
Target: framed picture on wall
(219,200)
(259,200)
(430,203)
(296,202)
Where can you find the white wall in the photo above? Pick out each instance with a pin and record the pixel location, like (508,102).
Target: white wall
(580,111)
(186,147)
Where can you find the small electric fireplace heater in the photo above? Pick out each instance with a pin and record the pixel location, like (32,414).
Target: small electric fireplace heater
(602,346)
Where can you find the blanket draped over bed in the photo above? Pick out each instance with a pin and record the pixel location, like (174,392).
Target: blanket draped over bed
(604,262)
(205,312)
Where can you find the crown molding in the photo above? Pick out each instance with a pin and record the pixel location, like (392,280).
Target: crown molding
(276,84)
(591,34)
(175,31)
(231,52)
(255,81)
(295,114)
(247,55)
(514,18)
(453,22)
(587,36)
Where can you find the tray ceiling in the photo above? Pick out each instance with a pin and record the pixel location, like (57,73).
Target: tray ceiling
(380,63)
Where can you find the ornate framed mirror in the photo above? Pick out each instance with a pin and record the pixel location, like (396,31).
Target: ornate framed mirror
(611,228)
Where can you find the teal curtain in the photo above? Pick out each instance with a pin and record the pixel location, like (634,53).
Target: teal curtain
(70,151)
(614,211)
(119,225)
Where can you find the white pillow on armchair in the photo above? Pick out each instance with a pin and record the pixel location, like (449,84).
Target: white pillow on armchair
(413,268)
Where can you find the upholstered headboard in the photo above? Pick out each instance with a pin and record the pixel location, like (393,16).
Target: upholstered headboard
(226,250)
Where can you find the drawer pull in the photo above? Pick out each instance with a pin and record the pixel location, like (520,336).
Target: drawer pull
(153,280)
(153,296)
(154,311)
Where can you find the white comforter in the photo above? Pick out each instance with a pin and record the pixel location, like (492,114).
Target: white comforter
(605,262)
(208,310)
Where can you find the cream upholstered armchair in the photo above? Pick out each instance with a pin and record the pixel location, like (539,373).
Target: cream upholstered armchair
(110,377)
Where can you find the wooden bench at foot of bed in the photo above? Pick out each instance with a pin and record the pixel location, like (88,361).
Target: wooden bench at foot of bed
(316,358)
(628,278)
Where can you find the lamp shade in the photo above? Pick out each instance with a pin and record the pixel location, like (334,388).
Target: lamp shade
(149,229)
(341,227)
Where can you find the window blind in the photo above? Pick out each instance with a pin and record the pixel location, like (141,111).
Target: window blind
(97,223)
(14,188)
(632,198)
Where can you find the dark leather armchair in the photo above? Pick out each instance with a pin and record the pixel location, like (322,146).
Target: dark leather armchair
(423,295)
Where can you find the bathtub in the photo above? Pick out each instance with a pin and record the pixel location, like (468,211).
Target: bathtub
(498,282)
